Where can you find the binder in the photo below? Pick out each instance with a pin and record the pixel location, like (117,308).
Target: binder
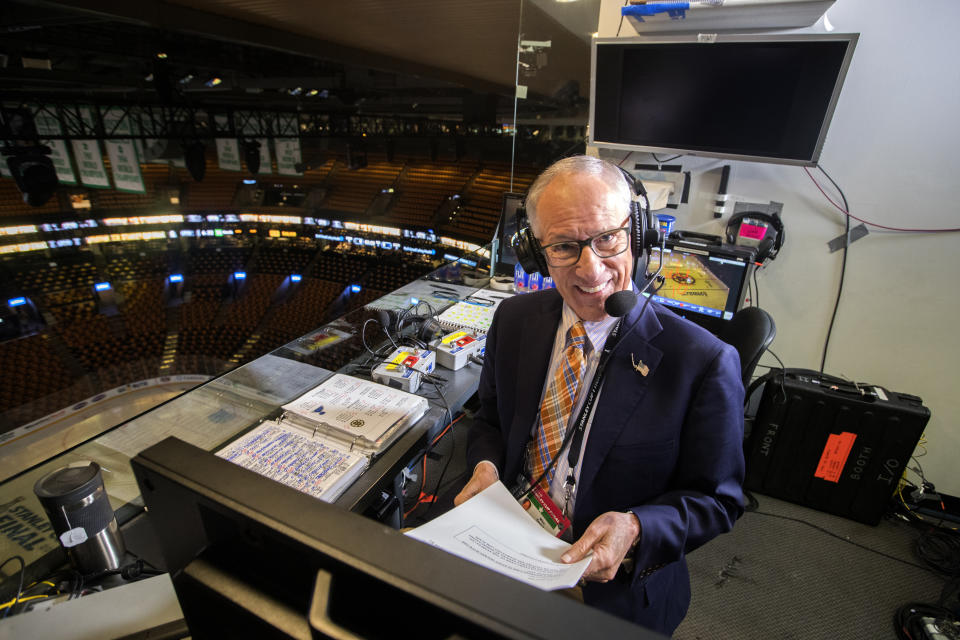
(292,456)
(364,415)
(328,436)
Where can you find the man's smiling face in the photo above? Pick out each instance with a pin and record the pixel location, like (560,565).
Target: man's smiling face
(576,207)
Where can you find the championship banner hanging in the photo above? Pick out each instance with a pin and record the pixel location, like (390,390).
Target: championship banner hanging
(228,151)
(288,156)
(122,153)
(89,157)
(49,125)
(4,169)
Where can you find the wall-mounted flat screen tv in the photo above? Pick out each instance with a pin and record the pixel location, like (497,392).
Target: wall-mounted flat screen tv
(765,98)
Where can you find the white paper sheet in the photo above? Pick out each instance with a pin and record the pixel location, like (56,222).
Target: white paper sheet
(492,530)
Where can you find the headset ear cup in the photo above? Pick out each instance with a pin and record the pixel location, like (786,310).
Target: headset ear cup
(638,224)
(529,253)
(780,237)
(539,257)
(772,242)
(730,234)
(644,230)
(525,245)
(387,319)
(764,248)
(430,331)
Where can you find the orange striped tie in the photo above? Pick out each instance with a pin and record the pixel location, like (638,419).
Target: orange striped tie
(558,402)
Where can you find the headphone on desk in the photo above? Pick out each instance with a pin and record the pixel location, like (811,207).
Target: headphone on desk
(772,240)
(644,235)
(426,328)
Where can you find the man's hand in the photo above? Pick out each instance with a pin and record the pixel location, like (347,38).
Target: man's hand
(610,537)
(484,475)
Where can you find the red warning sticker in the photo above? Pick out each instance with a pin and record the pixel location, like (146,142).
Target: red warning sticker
(835,456)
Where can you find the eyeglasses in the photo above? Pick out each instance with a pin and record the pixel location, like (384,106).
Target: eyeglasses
(605,244)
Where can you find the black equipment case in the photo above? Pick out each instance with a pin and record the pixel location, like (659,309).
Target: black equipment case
(832,445)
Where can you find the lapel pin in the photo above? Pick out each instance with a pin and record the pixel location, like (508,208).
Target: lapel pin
(638,366)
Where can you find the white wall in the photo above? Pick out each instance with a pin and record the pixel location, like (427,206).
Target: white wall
(894,147)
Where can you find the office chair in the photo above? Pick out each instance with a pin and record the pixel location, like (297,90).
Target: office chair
(750,332)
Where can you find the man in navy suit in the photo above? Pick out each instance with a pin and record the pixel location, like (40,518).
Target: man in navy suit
(662,461)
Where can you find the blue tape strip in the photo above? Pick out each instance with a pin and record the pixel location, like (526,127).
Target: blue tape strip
(676,10)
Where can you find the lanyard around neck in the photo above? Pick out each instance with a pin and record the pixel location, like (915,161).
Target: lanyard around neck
(580,426)
(574,436)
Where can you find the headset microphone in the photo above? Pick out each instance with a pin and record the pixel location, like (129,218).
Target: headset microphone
(619,304)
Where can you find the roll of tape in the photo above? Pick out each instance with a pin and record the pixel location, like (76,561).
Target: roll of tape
(501,284)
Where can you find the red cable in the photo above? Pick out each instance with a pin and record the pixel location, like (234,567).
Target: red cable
(873,224)
(423,497)
(830,200)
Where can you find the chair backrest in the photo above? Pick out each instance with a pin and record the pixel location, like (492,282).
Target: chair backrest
(750,332)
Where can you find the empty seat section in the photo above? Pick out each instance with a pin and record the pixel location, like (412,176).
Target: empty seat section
(352,190)
(423,187)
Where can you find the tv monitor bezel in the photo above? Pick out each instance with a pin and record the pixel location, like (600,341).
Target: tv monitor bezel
(850,38)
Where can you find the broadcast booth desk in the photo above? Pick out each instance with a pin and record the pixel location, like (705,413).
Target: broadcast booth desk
(253,558)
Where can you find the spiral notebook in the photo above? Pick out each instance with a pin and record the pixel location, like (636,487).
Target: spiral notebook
(474,313)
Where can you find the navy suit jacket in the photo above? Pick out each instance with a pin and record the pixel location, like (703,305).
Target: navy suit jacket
(667,446)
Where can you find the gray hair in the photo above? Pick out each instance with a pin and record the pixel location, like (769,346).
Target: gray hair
(610,173)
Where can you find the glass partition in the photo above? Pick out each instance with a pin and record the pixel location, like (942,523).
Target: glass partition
(196,316)
(227,405)
(553,84)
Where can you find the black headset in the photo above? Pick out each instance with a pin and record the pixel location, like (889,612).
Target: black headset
(770,246)
(426,329)
(644,234)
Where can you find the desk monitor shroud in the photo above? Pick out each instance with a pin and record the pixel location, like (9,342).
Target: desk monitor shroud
(251,556)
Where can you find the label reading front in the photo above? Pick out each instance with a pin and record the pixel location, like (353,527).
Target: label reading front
(834,456)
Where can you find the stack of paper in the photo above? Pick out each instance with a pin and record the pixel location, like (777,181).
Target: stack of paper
(492,529)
